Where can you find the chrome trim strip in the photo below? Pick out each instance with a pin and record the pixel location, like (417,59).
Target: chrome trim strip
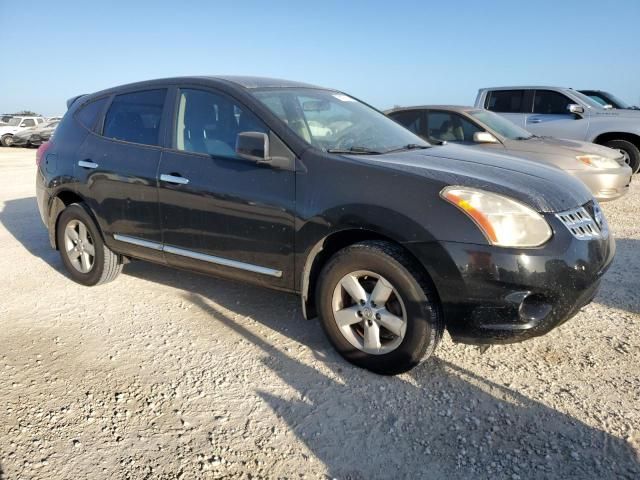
(138,241)
(223,261)
(199,256)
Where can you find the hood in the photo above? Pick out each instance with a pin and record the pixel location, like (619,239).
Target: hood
(545,188)
(560,147)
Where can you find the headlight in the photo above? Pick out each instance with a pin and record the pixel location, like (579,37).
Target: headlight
(504,221)
(597,161)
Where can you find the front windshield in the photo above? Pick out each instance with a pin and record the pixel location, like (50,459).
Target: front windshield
(14,121)
(500,125)
(615,101)
(586,99)
(335,122)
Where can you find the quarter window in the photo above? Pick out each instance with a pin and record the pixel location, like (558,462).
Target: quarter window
(451,127)
(549,102)
(505,101)
(88,114)
(135,117)
(209,123)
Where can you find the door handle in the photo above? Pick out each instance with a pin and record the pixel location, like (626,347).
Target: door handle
(87,164)
(535,120)
(176,179)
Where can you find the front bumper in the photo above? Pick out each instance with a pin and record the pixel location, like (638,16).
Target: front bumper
(607,184)
(499,295)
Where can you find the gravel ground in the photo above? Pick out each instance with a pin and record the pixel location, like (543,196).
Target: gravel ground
(168,374)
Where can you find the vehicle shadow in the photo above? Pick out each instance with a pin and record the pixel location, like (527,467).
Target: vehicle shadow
(438,421)
(21,218)
(619,288)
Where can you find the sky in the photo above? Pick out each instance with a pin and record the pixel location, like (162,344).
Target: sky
(386,53)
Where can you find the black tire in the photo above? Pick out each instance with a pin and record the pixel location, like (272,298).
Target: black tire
(630,149)
(7,140)
(424,325)
(106,264)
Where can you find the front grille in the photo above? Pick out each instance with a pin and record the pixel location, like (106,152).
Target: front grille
(581,222)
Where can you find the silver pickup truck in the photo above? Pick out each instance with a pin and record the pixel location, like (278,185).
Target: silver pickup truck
(566,113)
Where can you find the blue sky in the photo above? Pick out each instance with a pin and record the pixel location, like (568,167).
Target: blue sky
(386,53)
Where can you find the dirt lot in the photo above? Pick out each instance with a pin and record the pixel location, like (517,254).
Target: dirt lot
(167,374)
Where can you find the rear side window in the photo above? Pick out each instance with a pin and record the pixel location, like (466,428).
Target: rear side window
(135,117)
(88,114)
(550,102)
(505,101)
(411,119)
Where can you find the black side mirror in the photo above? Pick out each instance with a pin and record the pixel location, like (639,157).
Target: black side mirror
(253,146)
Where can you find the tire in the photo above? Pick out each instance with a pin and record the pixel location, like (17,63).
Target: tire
(632,152)
(410,298)
(7,140)
(87,259)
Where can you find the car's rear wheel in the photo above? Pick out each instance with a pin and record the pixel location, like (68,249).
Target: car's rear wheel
(629,150)
(7,140)
(378,309)
(85,256)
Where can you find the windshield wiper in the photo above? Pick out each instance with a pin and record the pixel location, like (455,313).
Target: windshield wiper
(354,151)
(409,146)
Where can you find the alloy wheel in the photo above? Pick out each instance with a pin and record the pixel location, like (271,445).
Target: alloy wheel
(79,246)
(369,312)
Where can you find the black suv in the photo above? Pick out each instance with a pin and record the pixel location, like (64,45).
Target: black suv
(308,190)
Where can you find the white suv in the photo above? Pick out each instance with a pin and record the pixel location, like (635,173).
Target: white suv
(15,125)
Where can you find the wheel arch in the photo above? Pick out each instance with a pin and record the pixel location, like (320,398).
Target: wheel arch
(61,200)
(608,136)
(324,249)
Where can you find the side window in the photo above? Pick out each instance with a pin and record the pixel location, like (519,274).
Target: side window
(209,123)
(505,101)
(450,127)
(410,119)
(549,102)
(135,117)
(28,122)
(40,120)
(88,114)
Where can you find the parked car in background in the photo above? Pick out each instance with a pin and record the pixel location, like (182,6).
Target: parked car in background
(602,169)
(53,119)
(566,113)
(388,238)
(34,136)
(14,125)
(606,98)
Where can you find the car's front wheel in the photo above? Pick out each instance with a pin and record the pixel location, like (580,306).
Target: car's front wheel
(630,152)
(87,259)
(379,310)
(7,140)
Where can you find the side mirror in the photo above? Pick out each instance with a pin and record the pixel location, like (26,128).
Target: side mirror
(575,109)
(484,137)
(608,106)
(253,146)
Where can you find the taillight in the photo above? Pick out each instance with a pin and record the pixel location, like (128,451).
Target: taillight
(41,153)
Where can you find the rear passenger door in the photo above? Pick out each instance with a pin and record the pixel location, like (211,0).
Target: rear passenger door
(220,213)
(511,104)
(117,171)
(551,117)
